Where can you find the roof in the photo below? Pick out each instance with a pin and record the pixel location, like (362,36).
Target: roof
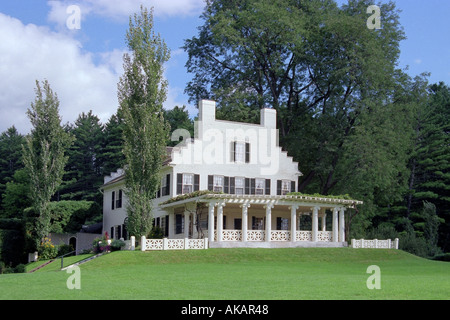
(304,200)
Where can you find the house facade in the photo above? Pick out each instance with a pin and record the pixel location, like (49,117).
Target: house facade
(232,183)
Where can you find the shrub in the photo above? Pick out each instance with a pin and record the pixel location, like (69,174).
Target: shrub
(64,249)
(47,250)
(117,245)
(156,233)
(101,244)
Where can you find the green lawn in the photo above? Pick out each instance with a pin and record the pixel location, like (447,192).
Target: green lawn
(240,274)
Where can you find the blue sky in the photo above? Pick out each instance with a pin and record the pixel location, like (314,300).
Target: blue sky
(84,65)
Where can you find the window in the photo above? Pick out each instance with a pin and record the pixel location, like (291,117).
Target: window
(165,186)
(257,223)
(282,223)
(113,200)
(285,186)
(240,152)
(259,186)
(218,184)
(239,184)
(119,200)
(187,183)
(179,223)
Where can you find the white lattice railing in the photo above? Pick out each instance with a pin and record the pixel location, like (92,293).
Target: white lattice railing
(375,244)
(173,244)
(324,236)
(275,235)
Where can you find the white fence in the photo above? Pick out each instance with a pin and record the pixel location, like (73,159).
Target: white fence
(173,244)
(275,235)
(375,244)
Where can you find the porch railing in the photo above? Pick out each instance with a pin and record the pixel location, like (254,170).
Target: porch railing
(275,235)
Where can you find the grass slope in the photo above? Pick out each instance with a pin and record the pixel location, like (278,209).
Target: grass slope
(241,274)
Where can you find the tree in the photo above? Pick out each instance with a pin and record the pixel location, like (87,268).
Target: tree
(83,175)
(112,156)
(430,160)
(141,91)
(318,65)
(10,156)
(178,118)
(44,154)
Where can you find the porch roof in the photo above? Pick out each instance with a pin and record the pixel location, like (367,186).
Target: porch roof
(301,200)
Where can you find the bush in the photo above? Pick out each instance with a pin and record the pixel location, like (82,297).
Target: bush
(156,233)
(101,244)
(20,268)
(117,245)
(47,250)
(64,249)
(442,257)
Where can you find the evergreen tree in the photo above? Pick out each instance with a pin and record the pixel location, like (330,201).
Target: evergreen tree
(10,156)
(430,163)
(112,157)
(142,91)
(44,154)
(84,168)
(178,118)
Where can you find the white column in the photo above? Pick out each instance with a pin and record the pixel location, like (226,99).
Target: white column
(293,222)
(220,221)
(324,222)
(335,225)
(171,224)
(186,224)
(268,234)
(341,225)
(211,221)
(244,228)
(315,223)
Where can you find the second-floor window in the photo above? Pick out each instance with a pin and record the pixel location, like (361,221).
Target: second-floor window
(218,184)
(187,183)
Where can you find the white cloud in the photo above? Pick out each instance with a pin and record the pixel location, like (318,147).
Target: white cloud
(121,10)
(29,53)
(418,61)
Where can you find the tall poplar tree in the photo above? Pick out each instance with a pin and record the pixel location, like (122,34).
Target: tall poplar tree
(44,154)
(141,92)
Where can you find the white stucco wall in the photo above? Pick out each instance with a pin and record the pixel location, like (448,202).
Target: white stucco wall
(210,153)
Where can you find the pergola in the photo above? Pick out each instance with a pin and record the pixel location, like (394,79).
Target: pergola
(287,207)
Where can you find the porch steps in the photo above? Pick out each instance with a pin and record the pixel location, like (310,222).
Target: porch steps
(41,266)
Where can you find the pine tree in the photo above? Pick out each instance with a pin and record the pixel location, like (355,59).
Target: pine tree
(112,156)
(83,171)
(10,156)
(142,91)
(44,154)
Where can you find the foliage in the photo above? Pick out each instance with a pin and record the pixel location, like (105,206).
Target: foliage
(102,244)
(70,216)
(44,154)
(83,175)
(178,118)
(47,250)
(10,156)
(142,91)
(156,233)
(117,244)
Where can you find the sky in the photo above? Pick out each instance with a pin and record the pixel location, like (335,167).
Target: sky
(82,61)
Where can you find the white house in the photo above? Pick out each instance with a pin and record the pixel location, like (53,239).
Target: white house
(231,184)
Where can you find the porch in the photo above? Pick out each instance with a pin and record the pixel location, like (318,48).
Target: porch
(261,221)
